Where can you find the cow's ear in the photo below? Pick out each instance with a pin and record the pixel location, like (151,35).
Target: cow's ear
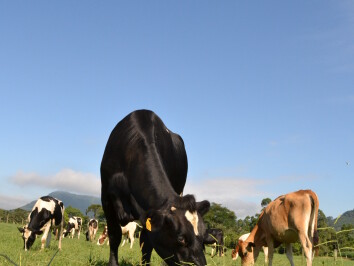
(203,207)
(250,246)
(153,220)
(21,229)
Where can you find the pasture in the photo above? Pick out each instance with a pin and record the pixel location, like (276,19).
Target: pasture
(82,252)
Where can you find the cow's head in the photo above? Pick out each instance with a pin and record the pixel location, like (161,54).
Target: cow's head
(246,252)
(177,234)
(234,253)
(28,237)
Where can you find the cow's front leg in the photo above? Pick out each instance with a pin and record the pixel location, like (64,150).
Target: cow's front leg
(146,248)
(46,237)
(114,231)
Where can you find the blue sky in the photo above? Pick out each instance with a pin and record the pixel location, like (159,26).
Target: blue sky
(262,94)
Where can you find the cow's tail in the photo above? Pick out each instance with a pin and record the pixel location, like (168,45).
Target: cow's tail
(313,221)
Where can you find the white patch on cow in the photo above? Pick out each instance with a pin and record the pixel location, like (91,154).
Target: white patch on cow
(193,219)
(41,204)
(167,130)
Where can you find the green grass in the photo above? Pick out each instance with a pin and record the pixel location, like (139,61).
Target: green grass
(81,252)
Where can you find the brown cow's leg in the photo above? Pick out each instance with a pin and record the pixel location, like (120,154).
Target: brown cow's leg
(289,253)
(307,247)
(270,252)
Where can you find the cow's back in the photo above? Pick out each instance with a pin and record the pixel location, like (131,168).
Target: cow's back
(140,133)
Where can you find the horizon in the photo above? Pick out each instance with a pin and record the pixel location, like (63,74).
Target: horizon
(84,195)
(261,93)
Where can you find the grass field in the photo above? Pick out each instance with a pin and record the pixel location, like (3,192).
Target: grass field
(80,252)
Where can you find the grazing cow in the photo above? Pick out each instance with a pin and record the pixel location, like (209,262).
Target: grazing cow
(215,236)
(285,220)
(92,230)
(103,237)
(143,173)
(128,231)
(234,253)
(46,213)
(74,225)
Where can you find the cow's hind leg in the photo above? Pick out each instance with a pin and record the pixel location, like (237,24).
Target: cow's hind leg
(146,248)
(307,248)
(289,253)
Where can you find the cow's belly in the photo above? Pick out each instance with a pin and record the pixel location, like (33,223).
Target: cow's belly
(287,236)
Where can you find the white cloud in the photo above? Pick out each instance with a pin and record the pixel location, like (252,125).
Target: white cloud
(66,179)
(12,202)
(243,196)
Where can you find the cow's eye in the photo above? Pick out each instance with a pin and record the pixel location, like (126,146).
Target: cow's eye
(181,240)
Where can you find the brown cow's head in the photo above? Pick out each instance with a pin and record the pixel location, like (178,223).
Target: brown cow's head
(177,234)
(28,237)
(234,252)
(246,252)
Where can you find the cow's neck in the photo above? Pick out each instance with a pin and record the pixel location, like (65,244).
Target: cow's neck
(158,200)
(256,237)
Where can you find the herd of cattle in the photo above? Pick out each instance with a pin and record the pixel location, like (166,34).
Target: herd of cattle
(143,174)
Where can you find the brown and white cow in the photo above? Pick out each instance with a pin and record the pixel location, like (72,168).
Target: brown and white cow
(103,237)
(234,252)
(46,213)
(92,230)
(285,220)
(128,231)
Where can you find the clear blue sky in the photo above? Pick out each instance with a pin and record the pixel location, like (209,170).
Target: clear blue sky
(262,94)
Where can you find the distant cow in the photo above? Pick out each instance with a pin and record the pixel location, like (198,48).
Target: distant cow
(234,252)
(92,230)
(143,173)
(103,237)
(215,236)
(285,220)
(74,225)
(128,231)
(46,213)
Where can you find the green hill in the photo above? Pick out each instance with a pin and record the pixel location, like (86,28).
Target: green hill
(80,202)
(345,218)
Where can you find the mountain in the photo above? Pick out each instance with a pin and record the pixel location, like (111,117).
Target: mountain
(80,202)
(345,218)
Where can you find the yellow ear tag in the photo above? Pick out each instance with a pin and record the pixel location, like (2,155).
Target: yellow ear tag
(148,224)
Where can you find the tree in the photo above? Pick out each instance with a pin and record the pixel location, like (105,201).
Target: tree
(70,212)
(95,209)
(265,202)
(325,234)
(218,215)
(224,219)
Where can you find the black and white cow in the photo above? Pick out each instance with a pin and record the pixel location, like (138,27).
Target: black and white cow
(143,173)
(215,236)
(92,230)
(46,213)
(74,225)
